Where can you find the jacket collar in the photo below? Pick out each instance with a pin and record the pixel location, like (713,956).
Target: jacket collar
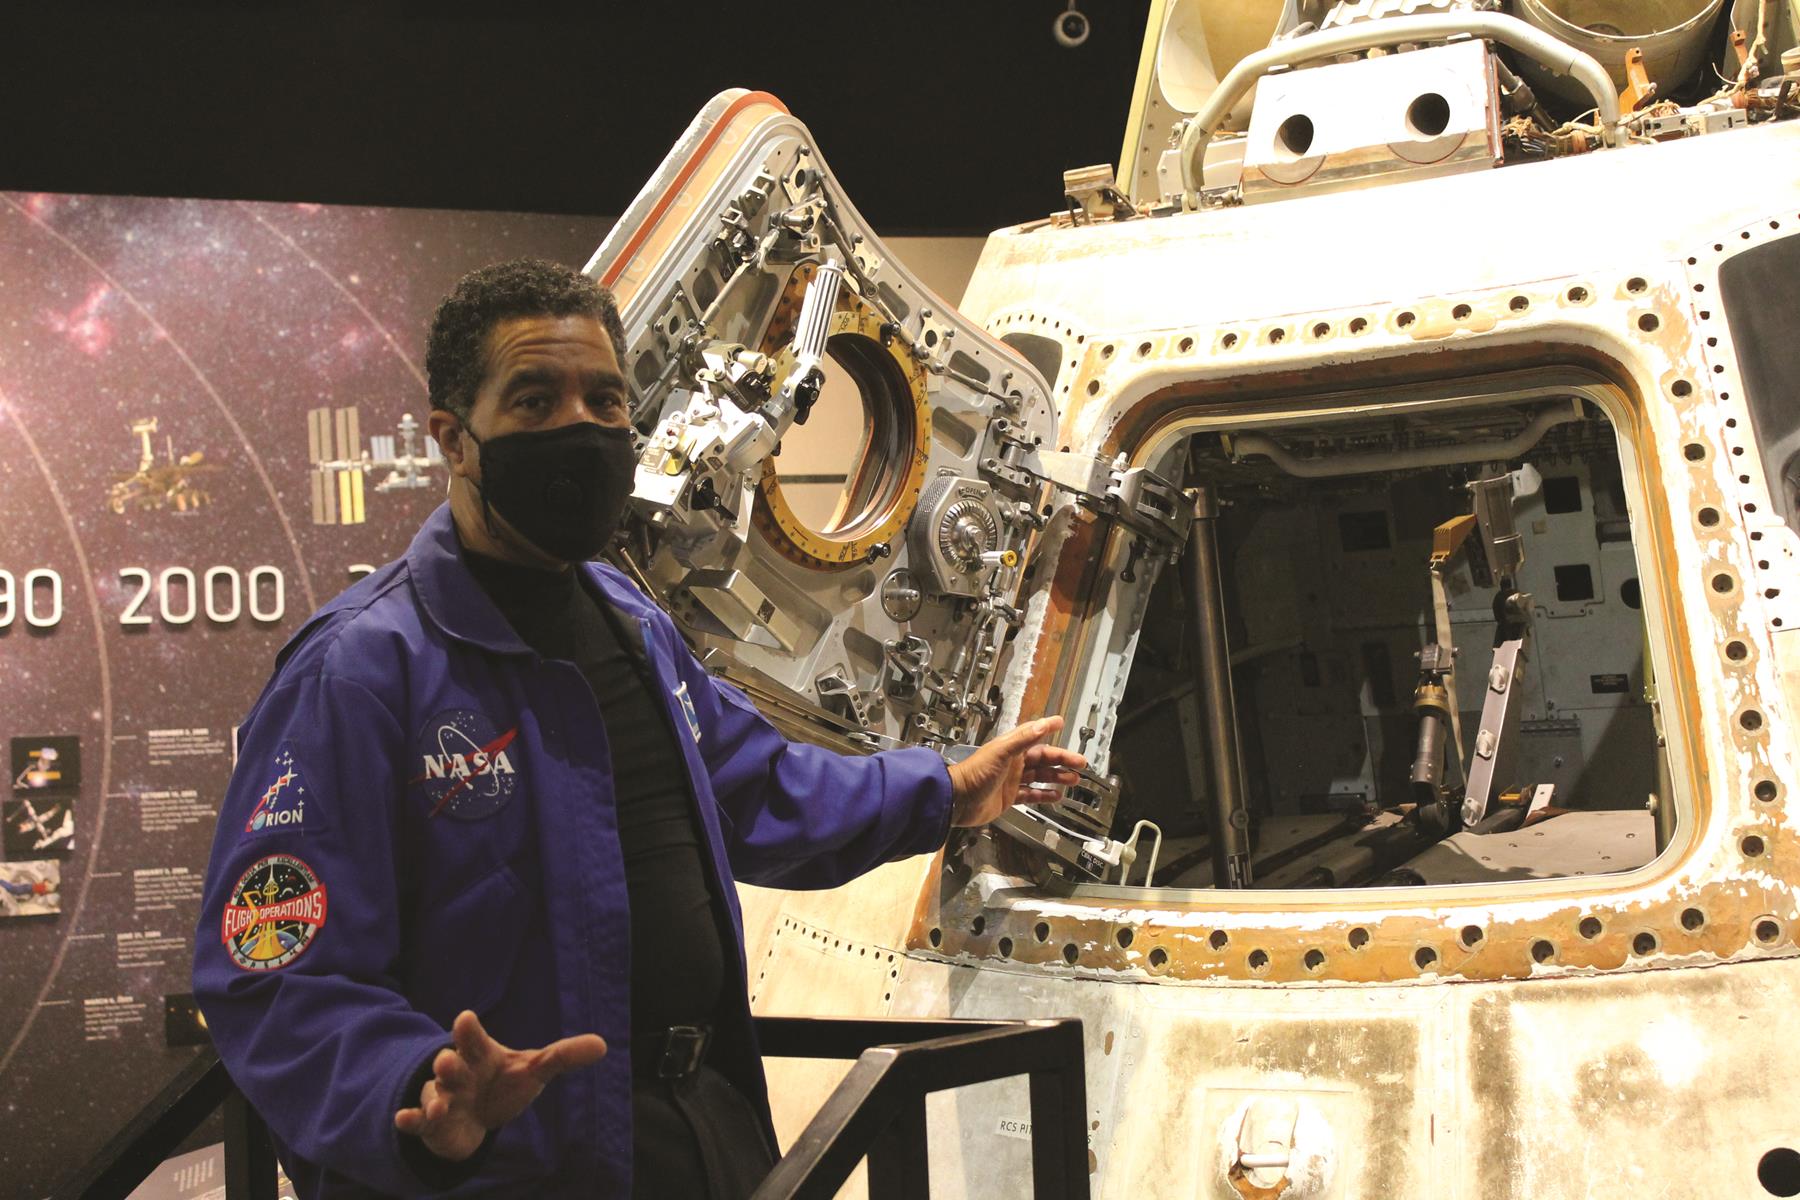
(455,602)
(448,591)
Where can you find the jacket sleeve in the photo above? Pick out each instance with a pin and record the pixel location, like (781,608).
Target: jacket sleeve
(305,1009)
(800,816)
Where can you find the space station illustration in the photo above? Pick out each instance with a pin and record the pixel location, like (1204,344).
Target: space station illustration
(341,464)
(43,769)
(1389,469)
(45,825)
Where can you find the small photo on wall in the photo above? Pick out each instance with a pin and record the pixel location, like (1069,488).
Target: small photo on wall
(38,826)
(30,889)
(48,763)
(182,1023)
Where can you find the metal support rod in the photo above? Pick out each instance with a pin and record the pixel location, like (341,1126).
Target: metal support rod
(1432,704)
(133,1154)
(249,1153)
(1332,466)
(1428,753)
(1231,820)
(899,1161)
(1058,1102)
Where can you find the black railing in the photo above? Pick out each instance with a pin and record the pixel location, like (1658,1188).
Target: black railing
(879,1108)
(877,1112)
(196,1092)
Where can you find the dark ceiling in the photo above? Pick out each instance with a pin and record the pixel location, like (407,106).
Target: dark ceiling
(937,115)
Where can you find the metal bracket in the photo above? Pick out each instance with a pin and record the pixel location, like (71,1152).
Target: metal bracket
(1498,732)
(1075,829)
(1093,195)
(1135,497)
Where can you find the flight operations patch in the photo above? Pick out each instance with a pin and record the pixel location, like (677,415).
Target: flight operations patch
(275,911)
(283,803)
(467,766)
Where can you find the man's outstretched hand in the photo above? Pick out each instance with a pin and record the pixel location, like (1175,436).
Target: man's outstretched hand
(481,1085)
(996,777)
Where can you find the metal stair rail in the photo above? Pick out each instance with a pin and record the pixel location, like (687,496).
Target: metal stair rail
(877,1112)
(198,1090)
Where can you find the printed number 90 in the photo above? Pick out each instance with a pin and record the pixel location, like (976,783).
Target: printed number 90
(179,596)
(23,598)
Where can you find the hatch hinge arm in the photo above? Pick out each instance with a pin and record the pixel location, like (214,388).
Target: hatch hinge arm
(1135,498)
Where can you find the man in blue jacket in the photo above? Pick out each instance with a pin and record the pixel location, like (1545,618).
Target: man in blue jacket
(490,800)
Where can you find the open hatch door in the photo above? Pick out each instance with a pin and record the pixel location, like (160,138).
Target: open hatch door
(754,298)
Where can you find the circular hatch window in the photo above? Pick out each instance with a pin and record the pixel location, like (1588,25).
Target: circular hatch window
(846,481)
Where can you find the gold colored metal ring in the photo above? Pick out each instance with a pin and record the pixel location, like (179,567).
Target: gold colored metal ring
(890,469)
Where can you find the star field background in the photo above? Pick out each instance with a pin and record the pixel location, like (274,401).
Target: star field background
(226,322)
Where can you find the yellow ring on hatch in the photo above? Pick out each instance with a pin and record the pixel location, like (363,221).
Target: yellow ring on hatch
(890,468)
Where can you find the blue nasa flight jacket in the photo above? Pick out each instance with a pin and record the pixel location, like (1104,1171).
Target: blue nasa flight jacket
(421,821)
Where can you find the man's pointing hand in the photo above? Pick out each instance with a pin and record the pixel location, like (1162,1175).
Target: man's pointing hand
(481,1085)
(996,777)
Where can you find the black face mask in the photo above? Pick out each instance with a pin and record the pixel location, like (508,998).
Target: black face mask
(563,489)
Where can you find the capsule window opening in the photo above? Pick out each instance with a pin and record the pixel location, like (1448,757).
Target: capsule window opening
(841,471)
(1320,596)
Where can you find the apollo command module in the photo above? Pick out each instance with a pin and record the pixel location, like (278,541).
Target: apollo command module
(1390,469)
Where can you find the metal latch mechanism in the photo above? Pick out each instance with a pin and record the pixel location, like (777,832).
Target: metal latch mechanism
(1265,1147)
(1154,514)
(1135,498)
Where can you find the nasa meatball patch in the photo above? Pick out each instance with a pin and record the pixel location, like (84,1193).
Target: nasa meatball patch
(275,911)
(283,804)
(467,765)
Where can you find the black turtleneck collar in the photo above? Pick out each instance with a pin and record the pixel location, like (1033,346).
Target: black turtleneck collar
(514,586)
(545,607)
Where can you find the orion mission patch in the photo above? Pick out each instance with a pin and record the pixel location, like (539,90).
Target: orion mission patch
(276,909)
(283,803)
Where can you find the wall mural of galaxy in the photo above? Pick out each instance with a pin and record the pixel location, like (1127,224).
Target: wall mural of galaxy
(212,418)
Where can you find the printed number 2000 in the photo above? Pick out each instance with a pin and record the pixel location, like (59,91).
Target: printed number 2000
(221,591)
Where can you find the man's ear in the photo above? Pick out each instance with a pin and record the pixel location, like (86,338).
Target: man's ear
(446,429)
